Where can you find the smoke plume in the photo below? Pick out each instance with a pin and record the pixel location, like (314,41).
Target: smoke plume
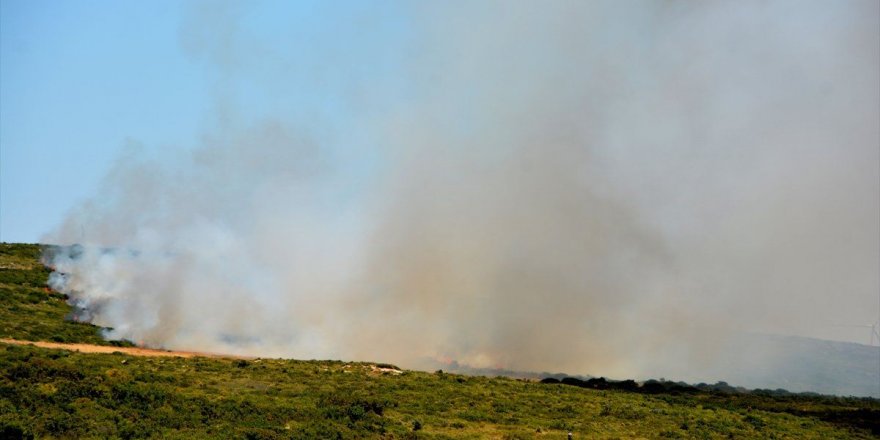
(592,187)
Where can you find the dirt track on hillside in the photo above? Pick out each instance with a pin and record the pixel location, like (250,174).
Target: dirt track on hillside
(134,351)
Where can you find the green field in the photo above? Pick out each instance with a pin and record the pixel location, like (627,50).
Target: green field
(46,393)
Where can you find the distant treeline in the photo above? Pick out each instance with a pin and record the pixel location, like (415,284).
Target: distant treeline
(661,386)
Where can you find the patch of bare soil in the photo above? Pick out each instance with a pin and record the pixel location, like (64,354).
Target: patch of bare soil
(134,351)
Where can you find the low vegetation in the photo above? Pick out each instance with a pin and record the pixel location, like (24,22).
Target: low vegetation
(31,311)
(51,393)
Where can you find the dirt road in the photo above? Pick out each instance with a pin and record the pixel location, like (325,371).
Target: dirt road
(134,351)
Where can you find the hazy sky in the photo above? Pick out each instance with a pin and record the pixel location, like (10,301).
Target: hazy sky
(484,179)
(80,80)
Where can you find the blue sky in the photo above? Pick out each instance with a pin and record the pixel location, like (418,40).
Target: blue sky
(80,80)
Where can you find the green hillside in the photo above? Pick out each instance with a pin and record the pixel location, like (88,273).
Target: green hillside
(48,393)
(30,311)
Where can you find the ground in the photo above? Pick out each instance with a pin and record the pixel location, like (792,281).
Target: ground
(105,389)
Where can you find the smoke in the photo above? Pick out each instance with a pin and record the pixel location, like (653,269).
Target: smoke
(592,187)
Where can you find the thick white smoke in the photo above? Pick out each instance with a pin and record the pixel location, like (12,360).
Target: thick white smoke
(593,187)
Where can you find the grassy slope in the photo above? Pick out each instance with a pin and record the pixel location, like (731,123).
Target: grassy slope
(29,310)
(56,393)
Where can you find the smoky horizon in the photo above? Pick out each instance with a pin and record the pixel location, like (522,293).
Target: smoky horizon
(598,188)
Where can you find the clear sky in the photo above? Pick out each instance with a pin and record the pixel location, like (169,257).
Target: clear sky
(80,80)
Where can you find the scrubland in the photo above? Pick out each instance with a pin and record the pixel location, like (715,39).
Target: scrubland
(56,393)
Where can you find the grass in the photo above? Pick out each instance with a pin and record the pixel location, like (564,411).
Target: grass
(48,393)
(30,310)
(59,393)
